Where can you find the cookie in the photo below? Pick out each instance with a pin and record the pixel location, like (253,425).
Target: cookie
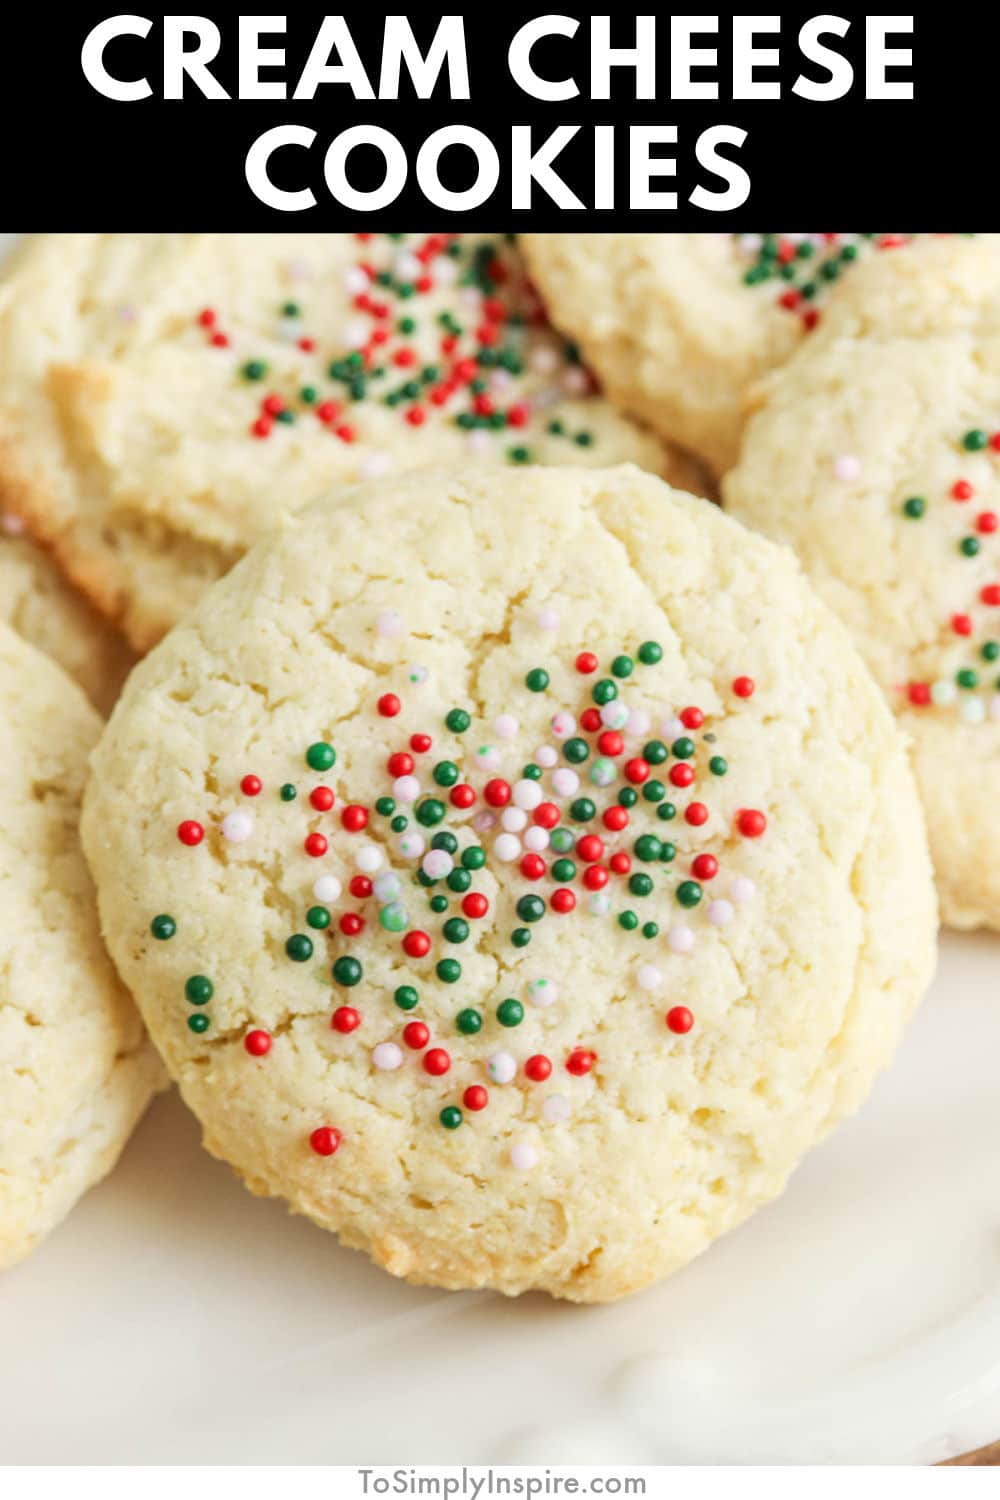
(537,901)
(163,399)
(680,326)
(76,1070)
(42,607)
(875,454)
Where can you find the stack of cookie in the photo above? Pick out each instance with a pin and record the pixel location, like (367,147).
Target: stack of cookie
(514,860)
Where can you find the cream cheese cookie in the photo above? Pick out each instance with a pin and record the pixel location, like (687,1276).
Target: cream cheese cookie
(41,606)
(164,397)
(679,326)
(76,1070)
(542,870)
(876,454)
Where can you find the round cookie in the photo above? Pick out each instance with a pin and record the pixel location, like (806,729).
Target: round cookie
(680,326)
(76,1070)
(164,397)
(537,901)
(41,606)
(875,454)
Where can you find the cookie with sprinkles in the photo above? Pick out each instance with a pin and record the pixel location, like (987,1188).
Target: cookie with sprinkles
(165,399)
(41,606)
(533,902)
(679,327)
(76,1070)
(876,455)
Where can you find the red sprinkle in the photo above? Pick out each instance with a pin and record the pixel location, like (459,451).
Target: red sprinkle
(546,815)
(389,705)
(315,845)
(416,1035)
(637,770)
(586,663)
(400,764)
(538,1068)
(322,798)
(190,833)
(919,694)
(563,900)
(590,848)
(620,863)
(416,944)
(421,743)
(436,1062)
(595,877)
(681,774)
(351,924)
(461,796)
(360,887)
(345,1019)
(257,1043)
(705,867)
(615,818)
(497,792)
(590,720)
(580,1061)
(751,823)
(611,743)
(696,814)
(692,718)
(679,1019)
(251,786)
(325,1140)
(475,1097)
(354,818)
(962,490)
(475,905)
(533,867)
(743,687)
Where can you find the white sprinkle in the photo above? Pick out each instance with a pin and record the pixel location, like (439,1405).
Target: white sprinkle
(355,281)
(599,904)
(943,692)
(565,782)
(390,623)
(720,913)
(544,359)
(846,468)
(548,619)
(614,715)
(649,977)
(437,863)
(523,1156)
(639,722)
(543,993)
(479,441)
(300,270)
(507,848)
(387,887)
(354,333)
(483,822)
(407,266)
(680,940)
(672,728)
(505,727)
(547,756)
(411,845)
(237,827)
(444,270)
(514,819)
(417,675)
(536,839)
(406,788)
(368,859)
(527,794)
(742,890)
(973,710)
(374,465)
(387,1057)
(575,382)
(555,1108)
(563,725)
(488,757)
(327,889)
(501,1067)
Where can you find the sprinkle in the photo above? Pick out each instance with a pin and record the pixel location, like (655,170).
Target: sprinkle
(505,727)
(548,619)
(190,833)
(555,1108)
(389,623)
(649,977)
(326,1140)
(257,1043)
(542,993)
(507,848)
(163,928)
(327,889)
(387,1057)
(237,827)
(563,725)
(501,1067)
(514,819)
(719,913)
(846,468)
(680,939)
(679,1020)
(523,1156)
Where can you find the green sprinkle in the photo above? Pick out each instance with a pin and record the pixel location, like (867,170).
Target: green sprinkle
(473,858)
(455,930)
(347,971)
(718,765)
(628,920)
(683,748)
(622,666)
(254,369)
(650,930)
(562,840)
(446,841)
(604,691)
(990,650)
(655,752)
(519,455)
(448,970)
(393,917)
(537,680)
(583,439)
(969,546)
(667,811)
(457,720)
(445,773)
(385,807)
(199,989)
(406,997)
(668,852)
(975,440)
(469,1022)
(430,811)
(531,772)
(582,810)
(564,870)
(299,947)
(967,678)
(510,1012)
(163,928)
(438,904)
(647,847)
(321,756)
(628,796)
(688,893)
(318,918)
(400,823)
(308,394)
(459,881)
(451,1117)
(531,908)
(649,653)
(914,508)
(199,1023)
(288,792)
(640,885)
(576,751)
(520,937)
(654,791)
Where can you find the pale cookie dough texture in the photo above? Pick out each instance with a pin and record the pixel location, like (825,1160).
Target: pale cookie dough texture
(76,1070)
(876,454)
(42,607)
(680,326)
(639,928)
(163,398)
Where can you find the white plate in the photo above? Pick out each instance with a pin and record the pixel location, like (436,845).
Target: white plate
(175,1319)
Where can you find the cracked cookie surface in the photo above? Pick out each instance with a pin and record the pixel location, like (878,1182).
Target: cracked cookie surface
(503,872)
